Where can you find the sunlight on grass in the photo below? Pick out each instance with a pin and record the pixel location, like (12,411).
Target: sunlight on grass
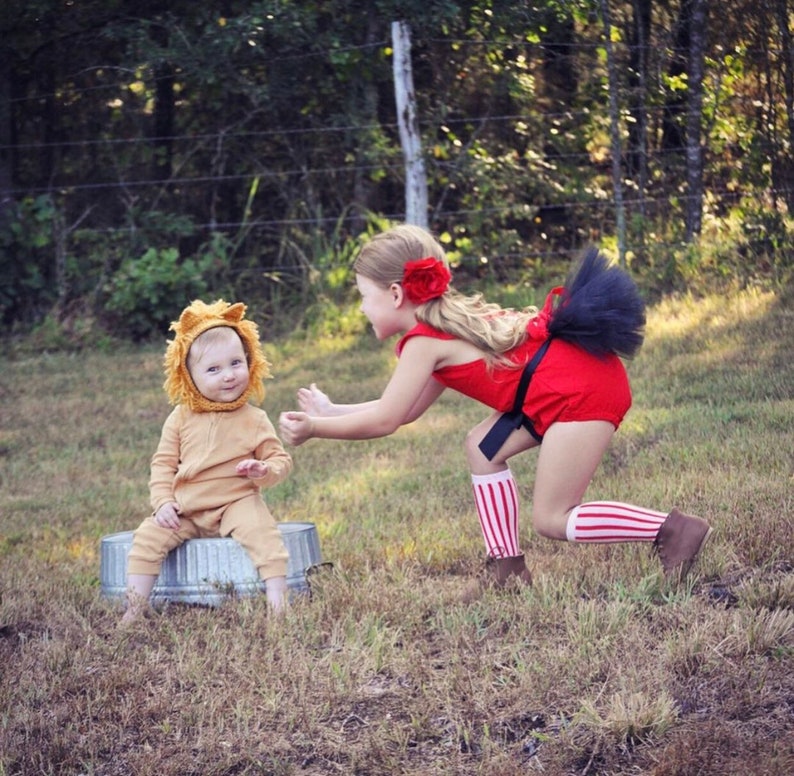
(683,316)
(82,548)
(322,347)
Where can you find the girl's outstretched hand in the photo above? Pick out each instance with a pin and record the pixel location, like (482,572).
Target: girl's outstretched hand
(313,401)
(295,427)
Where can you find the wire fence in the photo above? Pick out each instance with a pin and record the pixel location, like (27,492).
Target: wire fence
(280,169)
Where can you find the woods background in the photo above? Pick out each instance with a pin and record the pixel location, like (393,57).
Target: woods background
(155,151)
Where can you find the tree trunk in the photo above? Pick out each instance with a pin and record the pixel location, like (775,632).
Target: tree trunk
(694,147)
(672,132)
(6,134)
(782,165)
(560,79)
(415,175)
(163,128)
(614,122)
(362,183)
(637,156)
(163,121)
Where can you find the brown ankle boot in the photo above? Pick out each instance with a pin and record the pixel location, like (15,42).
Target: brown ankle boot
(511,572)
(515,566)
(680,540)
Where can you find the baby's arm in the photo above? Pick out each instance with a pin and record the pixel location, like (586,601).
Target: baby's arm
(252,469)
(164,464)
(270,463)
(167,516)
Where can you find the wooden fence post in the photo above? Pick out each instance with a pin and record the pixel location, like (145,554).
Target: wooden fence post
(410,139)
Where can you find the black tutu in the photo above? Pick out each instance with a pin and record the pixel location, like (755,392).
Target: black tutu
(601,309)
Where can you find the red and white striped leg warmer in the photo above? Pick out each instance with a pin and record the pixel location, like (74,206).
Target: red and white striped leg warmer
(603,522)
(496,498)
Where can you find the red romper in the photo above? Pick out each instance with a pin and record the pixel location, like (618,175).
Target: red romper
(569,384)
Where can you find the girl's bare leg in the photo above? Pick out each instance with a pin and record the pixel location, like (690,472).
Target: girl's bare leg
(496,500)
(517,442)
(568,459)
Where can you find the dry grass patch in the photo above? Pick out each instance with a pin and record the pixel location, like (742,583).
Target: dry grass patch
(601,667)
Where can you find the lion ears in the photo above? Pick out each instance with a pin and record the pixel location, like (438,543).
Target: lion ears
(201,315)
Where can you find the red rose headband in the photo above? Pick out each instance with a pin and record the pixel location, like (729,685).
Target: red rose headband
(425,279)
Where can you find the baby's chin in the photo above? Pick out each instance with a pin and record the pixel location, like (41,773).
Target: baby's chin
(228,398)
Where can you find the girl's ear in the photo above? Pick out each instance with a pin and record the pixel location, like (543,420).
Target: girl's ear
(397,294)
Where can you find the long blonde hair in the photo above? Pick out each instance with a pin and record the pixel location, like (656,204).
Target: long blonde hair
(493,329)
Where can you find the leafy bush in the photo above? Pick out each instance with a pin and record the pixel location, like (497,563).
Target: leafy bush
(148,292)
(27,287)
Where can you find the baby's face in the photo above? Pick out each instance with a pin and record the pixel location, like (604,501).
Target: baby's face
(218,366)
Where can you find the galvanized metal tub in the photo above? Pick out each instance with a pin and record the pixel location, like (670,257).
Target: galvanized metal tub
(207,571)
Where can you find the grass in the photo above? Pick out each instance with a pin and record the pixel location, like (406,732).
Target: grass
(600,668)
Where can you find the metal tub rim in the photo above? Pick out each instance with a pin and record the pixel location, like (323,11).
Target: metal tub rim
(208,571)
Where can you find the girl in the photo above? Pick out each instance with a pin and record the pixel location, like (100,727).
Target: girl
(554,379)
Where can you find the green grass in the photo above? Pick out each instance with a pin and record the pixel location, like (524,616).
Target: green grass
(600,668)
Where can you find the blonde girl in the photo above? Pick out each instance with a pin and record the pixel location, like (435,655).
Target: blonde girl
(554,380)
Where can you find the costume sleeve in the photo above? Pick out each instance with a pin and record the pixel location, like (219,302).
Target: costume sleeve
(165,462)
(271,450)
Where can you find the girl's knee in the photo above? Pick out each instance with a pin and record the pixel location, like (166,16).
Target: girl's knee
(540,526)
(474,456)
(548,525)
(471,444)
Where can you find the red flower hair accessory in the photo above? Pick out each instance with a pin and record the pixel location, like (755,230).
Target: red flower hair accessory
(425,279)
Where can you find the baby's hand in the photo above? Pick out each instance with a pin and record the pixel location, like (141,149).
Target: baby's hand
(313,401)
(252,469)
(295,427)
(168,515)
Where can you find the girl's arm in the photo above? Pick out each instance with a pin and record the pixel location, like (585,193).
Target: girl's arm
(315,402)
(410,391)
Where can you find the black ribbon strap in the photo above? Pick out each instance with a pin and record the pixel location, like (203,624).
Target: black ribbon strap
(508,422)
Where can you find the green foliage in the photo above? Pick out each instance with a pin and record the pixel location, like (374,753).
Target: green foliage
(148,292)
(73,332)
(321,301)
(752,245)
(27,259)
(232,134)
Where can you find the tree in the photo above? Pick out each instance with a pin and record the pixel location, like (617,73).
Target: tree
(782,164)
(637,153)
(415,175)
(614,123)
(694,150)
